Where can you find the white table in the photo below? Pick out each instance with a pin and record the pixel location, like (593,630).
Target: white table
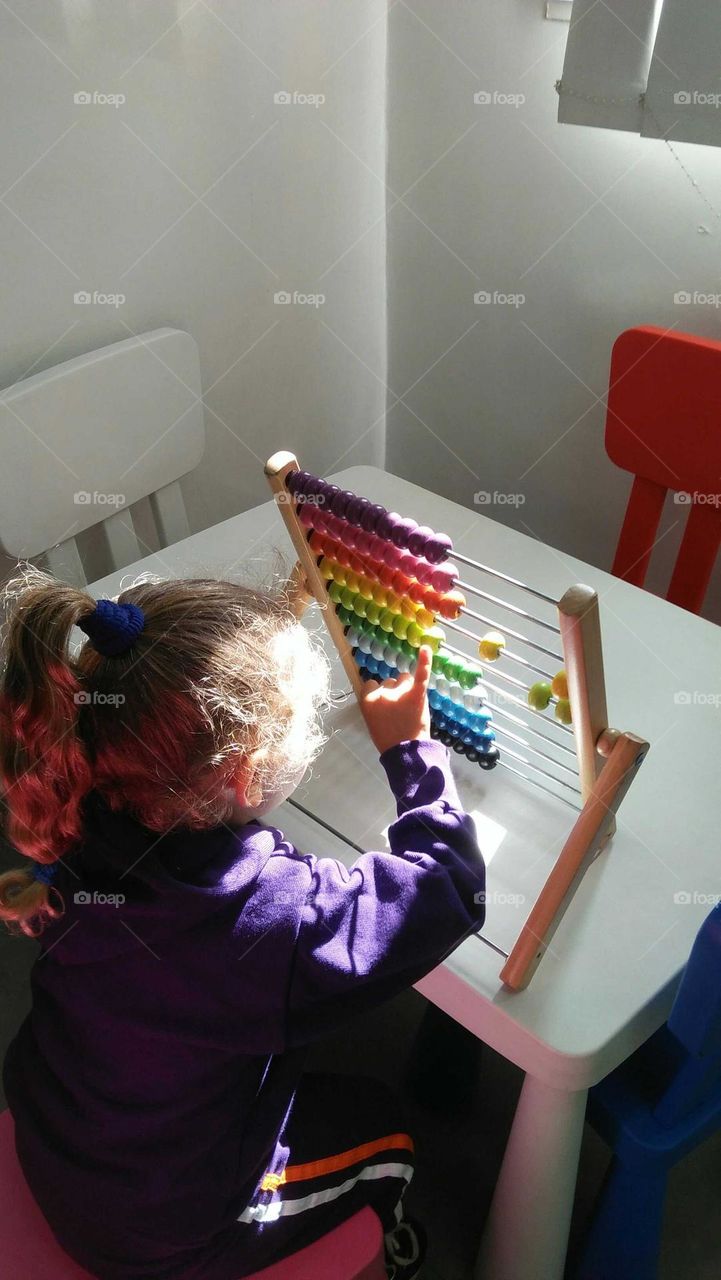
(610,978)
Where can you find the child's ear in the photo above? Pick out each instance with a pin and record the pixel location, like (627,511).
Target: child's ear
(247,789)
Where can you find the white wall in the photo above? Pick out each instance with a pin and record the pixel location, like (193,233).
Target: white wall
(597,229)
(104,198)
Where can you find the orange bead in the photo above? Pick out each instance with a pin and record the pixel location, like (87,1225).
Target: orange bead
(452,604)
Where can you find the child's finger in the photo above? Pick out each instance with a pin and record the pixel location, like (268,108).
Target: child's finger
(422,673)
(370,686)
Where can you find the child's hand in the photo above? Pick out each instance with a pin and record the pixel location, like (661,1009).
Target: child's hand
(397,710)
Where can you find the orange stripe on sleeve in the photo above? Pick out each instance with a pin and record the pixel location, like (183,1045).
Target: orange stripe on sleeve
(316,1168)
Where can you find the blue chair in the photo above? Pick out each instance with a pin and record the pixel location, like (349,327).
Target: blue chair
(652,1111)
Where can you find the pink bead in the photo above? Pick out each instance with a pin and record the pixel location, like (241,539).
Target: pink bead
(391,555)
(306,515)
(364,542)
(443,577)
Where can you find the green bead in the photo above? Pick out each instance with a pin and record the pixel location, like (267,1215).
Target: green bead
(359,605)
(335,591)
(347,598)
(386,620)
(439,663)
(345,615)
(539,695)
(373,612)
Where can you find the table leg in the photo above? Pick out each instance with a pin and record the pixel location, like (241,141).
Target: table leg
(526,1235)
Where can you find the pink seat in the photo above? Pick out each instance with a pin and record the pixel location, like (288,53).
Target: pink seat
(354,1251)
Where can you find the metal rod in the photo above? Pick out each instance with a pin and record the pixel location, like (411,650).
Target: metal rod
(559,781)
(504,604)
(496,573)
(507,653)
(487,943)
(508,733)
(519,774)
(326,825)
(560,746)
(479,617)
(509,697)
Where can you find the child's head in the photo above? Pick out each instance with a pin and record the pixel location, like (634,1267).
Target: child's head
(215,705)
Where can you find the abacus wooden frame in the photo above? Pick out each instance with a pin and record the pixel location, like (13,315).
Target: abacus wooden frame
(607,759)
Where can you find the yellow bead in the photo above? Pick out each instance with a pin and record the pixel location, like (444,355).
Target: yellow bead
(326,568)
(491,646)
(559,685)
(408,609)
(393,601)
(380,595)
(563,711)
(425,618)
(434,637)
(352,580)
(365,586)
(414,634)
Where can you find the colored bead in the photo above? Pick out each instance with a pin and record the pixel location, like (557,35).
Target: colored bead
(452,604)
(489,759)
(373,612)
(408,609)
(563,711)
(386,574)
(347,598)
(443,577)
(438,547)
(359,605)
(386,620)
(354,508)
(559,685)
(491,646)
(297,480)
(352,580)
(400,626)
(326,569)
(414,635)
(403,662)
(539,695)
(424,618)
(335,591)
(434,637)
(364,642)
(345,615)
(403,530)
(439,662)
(380,595)
(417,539)
(306,515)
(371,515)
(378,649)
(472,754)
(393,601)
(401,583)
(391,556)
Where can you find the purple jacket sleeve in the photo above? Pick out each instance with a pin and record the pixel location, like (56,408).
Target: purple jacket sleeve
(372,930)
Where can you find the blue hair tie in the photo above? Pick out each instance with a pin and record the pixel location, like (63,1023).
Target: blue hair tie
(112,628)
(45,872)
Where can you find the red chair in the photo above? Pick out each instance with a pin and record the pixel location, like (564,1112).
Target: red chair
(354,1251)
(664,426)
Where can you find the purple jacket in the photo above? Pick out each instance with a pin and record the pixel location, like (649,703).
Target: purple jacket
(151,1078)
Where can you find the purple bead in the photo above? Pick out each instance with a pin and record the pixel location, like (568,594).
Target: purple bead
(387,523)
(403,531)
(340,502)
(329,494)
(438,548)
(371,516)
(291,480)
(300,480)
(354,509)
(417,539)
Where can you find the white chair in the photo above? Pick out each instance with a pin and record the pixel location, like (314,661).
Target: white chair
(87,441)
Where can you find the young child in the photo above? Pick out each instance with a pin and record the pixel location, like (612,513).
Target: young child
(189,953)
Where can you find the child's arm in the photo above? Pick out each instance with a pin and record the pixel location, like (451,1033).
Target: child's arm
(370,931)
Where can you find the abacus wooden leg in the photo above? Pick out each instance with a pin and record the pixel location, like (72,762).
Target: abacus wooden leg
(526,1233)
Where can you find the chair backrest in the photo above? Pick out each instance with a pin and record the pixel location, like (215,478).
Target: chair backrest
(83,441)
(695,1024)
(664,426)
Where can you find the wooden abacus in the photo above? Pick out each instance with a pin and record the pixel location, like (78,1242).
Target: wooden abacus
(383,582)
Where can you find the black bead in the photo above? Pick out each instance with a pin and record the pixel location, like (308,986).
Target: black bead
(489,759)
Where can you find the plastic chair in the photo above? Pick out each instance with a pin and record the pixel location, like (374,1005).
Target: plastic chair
(353,1251)
(663,425)
(653,1110)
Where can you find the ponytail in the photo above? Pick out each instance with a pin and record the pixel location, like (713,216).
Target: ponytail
(45,772)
